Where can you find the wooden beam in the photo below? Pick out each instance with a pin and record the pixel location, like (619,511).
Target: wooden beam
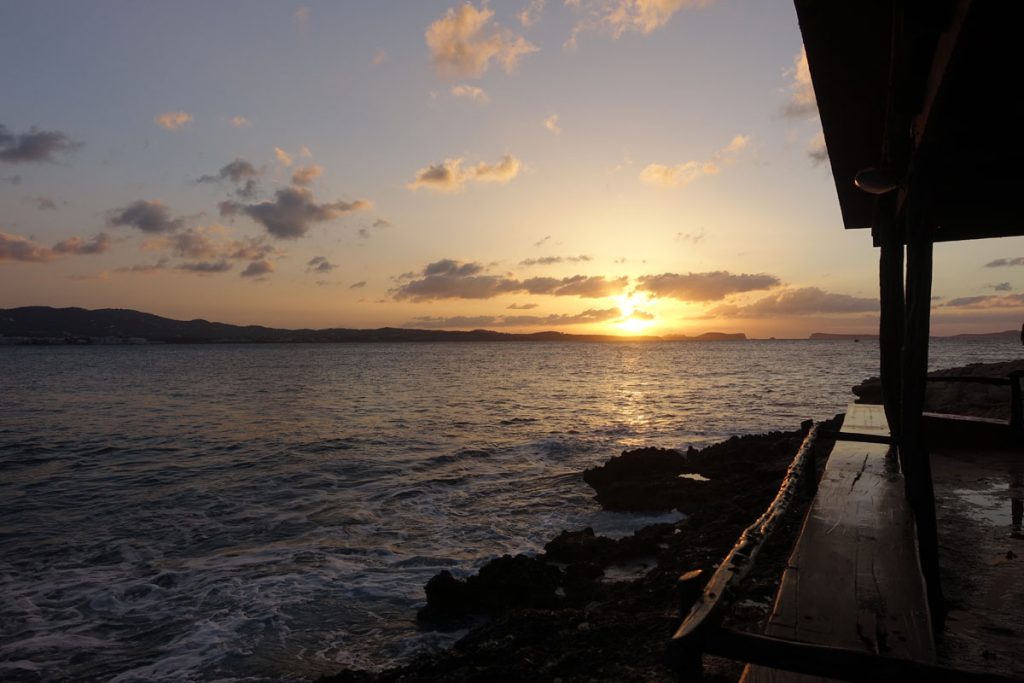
(891,320)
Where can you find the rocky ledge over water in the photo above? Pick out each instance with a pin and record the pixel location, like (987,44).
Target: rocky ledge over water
(596,608)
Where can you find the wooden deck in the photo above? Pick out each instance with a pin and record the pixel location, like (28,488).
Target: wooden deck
(854,579)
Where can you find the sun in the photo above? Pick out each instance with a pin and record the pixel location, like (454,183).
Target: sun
(634,325)
(633,319)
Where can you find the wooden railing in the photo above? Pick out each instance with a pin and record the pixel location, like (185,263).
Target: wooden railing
(1013,380)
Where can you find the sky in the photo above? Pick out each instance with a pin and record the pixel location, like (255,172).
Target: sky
(588,166)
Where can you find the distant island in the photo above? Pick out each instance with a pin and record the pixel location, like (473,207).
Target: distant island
(44,325)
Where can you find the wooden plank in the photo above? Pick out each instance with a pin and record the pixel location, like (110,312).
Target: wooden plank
(854,579)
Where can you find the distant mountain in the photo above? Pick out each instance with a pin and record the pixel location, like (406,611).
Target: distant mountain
(46,325)
(829,335)
(1013,334)
(709,336)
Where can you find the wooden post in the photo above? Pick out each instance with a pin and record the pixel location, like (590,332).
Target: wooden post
(1016,405)
(891,318)
(913,444)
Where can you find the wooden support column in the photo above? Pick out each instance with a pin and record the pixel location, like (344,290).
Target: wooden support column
(891,320)
(913,443)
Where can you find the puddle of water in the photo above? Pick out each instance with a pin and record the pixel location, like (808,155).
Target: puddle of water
(693,476)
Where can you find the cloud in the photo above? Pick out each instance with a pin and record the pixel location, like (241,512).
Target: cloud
(470,93)
(11,179)
(239,121)
(283,156)
(694,238)
(146,268)
(619,16)
(542,241)
(205,267)
(172,120)
(34,146)
(301,16)
(379,57)
(1000,287)
(592,315)
(320,264)
(522,307)
(357,285)
(17,248)
(796,302)
(464,42)
(531,13)
(43,203)
(683,174)
(305,175)
(293,211)
(707,286)
(101,276)
(451,279)
(236,171)
(304,152)
(99,244)
(148,216)
(1002,262)
(551,123)
(258,269)
(801,102)
(381,223)
(816,149)
(986,301)
(552,260)
(449,176)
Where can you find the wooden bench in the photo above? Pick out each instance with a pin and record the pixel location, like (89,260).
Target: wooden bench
(853,580)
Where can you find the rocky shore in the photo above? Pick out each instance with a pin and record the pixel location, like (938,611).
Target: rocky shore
(595,608)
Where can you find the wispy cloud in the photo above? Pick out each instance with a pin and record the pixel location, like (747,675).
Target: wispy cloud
(320,264)
(172,120)
(552,260)
(305,175)
(19,248)
(465,41)
(450,176)
(283,157)
(239,121)
(259,269)
(100,244)
(817,152)
(986,301)
(470,92)
(801,102)
(34,146)
(530,14)
(1003,262)
(551,123)
(616,17)
(681,175)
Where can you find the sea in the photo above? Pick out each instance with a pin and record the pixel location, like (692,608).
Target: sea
(272,512)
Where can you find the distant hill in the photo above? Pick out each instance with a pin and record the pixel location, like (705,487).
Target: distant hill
(46,325)
(1013,334)
(709,336)
(829,335)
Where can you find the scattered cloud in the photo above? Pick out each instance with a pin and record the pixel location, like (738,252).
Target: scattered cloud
(240,172)
(465,41)
(283,156)
(796,302)
(258,269)
(146,268)
(304,152)
(616,17)
(1002,262)
(379,57)
(205,267)
(530,14)
(693,238)
(470,92)
(320,264)
(99,244)
(381,223)
(239,121)
(300,16)
(552,260)
(43,203)
(801,103)
(11,179)
(451,279)
(293,211)
(683,174)
(34,146)
(522,307)
(986,301)
(148,216)
(1000,287)
(542,241)
(450,176)
(551,123)
(172,120)
(18,248)
(101,276)
(305,175)
(357,285)
(816,149)
(707,286)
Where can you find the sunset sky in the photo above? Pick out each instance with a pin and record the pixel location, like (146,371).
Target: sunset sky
(613,166)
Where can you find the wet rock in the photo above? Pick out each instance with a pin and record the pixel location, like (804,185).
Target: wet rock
(504,583)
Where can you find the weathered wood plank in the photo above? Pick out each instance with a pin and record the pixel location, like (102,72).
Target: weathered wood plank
(854,579)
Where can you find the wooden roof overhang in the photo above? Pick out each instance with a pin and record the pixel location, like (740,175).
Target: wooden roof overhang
(929,85)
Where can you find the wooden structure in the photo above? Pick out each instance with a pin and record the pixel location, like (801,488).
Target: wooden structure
(919,118)
(916,114)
